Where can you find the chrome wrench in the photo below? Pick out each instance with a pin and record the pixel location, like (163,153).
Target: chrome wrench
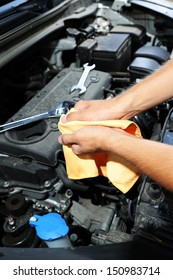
(62,108)
(81,84)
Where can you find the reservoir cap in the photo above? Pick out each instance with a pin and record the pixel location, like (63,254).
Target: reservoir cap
(50,226)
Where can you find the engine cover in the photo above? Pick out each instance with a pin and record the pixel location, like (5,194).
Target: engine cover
(38,141)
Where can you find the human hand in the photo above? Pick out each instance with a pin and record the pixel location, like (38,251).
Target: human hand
(93,110)
(92,139)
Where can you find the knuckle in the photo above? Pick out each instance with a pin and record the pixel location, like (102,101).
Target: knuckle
(76,149)
(80,103)
(65,139)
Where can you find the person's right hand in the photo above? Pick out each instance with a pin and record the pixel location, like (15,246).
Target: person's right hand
(94,110)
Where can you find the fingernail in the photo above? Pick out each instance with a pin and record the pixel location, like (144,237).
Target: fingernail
(60,139)
(63,119)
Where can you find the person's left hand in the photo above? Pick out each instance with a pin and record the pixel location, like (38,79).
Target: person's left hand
(92,139)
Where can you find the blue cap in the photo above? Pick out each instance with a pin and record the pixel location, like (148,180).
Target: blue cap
(49,226)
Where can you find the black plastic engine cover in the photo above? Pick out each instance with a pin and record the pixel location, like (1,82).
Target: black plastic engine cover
(33,179)
(38,141)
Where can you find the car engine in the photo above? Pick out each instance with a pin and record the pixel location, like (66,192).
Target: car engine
(33,177)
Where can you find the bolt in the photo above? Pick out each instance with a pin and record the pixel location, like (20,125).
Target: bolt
(47,184)
(48,208)
(68,193)
(11,221)
(6,184)
(73,237)
(154,191)
(54,125)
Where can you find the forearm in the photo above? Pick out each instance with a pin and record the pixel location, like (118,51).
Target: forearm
(151,158)
(151,91)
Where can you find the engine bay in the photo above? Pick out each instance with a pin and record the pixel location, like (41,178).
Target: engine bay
(33,177)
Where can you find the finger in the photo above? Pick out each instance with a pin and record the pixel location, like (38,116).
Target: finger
(72,116)
(79,114)
(66,139)
(63,118)
(60,139)
(76,149)
(81,105)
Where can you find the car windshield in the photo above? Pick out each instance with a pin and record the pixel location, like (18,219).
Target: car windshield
(7,6)
(17,12)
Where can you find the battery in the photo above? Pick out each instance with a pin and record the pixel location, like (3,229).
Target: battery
(137,32)
(110,53)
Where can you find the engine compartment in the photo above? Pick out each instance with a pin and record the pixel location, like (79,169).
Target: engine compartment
(33,179)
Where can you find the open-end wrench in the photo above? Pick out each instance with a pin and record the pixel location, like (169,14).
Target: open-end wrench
(80,86)
(62,108)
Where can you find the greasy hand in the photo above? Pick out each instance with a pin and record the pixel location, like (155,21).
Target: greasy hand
(91,139)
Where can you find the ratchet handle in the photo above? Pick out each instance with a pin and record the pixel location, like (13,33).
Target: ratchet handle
(62,108)
(22,122)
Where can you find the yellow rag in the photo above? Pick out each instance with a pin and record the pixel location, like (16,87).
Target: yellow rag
(121,173)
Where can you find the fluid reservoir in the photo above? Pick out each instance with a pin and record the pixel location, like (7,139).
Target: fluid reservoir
(51,228)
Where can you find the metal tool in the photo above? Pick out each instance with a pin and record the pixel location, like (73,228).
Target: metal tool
(62,108)
(80,86)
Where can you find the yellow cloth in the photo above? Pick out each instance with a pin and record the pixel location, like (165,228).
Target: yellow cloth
(120,172)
